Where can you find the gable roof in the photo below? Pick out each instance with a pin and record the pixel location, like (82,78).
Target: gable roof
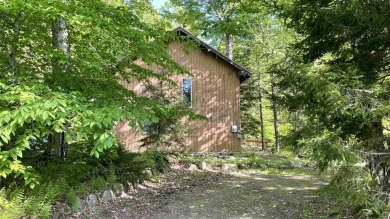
(243,73)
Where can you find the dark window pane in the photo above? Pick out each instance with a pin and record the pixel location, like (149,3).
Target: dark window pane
(150,128)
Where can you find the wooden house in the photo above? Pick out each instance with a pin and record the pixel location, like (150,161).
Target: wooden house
(212,91)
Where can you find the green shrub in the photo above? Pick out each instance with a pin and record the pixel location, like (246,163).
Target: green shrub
(111,176)
(130,166)
(73,172)
(158,160)
(98,183)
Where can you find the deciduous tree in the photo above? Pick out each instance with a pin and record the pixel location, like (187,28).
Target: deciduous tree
(71,85)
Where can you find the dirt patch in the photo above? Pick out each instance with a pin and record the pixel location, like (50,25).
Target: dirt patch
(241,194)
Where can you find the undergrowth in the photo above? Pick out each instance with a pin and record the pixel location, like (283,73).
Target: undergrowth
(354,186)
(245,160)
(74,178)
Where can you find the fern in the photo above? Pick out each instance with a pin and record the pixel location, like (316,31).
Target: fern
(11,208)
(72,200)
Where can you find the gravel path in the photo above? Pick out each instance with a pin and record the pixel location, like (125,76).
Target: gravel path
(242,194)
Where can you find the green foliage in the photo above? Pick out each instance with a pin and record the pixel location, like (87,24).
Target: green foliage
(97,183)
(353,185)
(68,180)
(11,207)
(73,202)
(130,167)
(44,90)
(262,52)
(171,127)
(159,161)
(111,176)
(210,19)
(15,203)
(327,147)
(337,79)
(353,30)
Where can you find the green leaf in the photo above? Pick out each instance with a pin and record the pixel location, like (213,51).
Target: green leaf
(45,115)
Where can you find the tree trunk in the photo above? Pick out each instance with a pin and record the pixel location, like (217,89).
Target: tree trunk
(14,45)
(229,45)
(263,147)
(60,37)
(275,112)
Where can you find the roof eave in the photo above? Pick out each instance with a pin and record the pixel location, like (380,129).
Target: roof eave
(243,73)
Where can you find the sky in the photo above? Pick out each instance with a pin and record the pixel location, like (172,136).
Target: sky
(158,3)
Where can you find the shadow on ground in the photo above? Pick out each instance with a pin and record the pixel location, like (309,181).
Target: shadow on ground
(240,194)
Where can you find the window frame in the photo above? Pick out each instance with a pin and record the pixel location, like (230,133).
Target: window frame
(182,92)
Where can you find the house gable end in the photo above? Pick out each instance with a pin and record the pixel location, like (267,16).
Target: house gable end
(243,73)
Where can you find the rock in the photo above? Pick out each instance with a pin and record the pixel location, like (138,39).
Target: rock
(263,166)
(202,165)
(78,207)
(135,184)
(171,160)
(253,165)
(148,173)
(155,172)
(142,187)
(108,196)
(192,167)
(166,169)
(92,200)
(229,167)
(128,187)
(244,166)
(296,164)
(310,164)
(117,189)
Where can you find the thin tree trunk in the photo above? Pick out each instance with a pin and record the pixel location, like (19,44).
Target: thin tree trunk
(381,167)
(229,45)
(60,37)
(12,60)
(263,147)
(275,112)
(298,121)
(14,47)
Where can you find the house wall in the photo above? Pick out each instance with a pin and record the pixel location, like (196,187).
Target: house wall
(215,94)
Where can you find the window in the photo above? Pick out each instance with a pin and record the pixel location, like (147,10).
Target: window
(150,128)
(187,91)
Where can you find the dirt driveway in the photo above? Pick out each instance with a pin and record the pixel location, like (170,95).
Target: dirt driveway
(239,194)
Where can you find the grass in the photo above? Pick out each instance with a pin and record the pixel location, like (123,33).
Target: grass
(263,160)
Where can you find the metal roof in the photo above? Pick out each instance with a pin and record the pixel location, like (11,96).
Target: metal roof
(243,73)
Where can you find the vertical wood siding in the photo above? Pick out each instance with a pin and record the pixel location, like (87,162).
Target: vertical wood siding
(215,94)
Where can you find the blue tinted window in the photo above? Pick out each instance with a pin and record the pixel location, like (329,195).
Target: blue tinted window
(187,91)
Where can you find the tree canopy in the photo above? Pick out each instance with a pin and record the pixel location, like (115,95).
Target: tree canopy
(45,89)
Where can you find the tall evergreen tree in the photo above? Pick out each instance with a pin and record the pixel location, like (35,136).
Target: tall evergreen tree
(345,91)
